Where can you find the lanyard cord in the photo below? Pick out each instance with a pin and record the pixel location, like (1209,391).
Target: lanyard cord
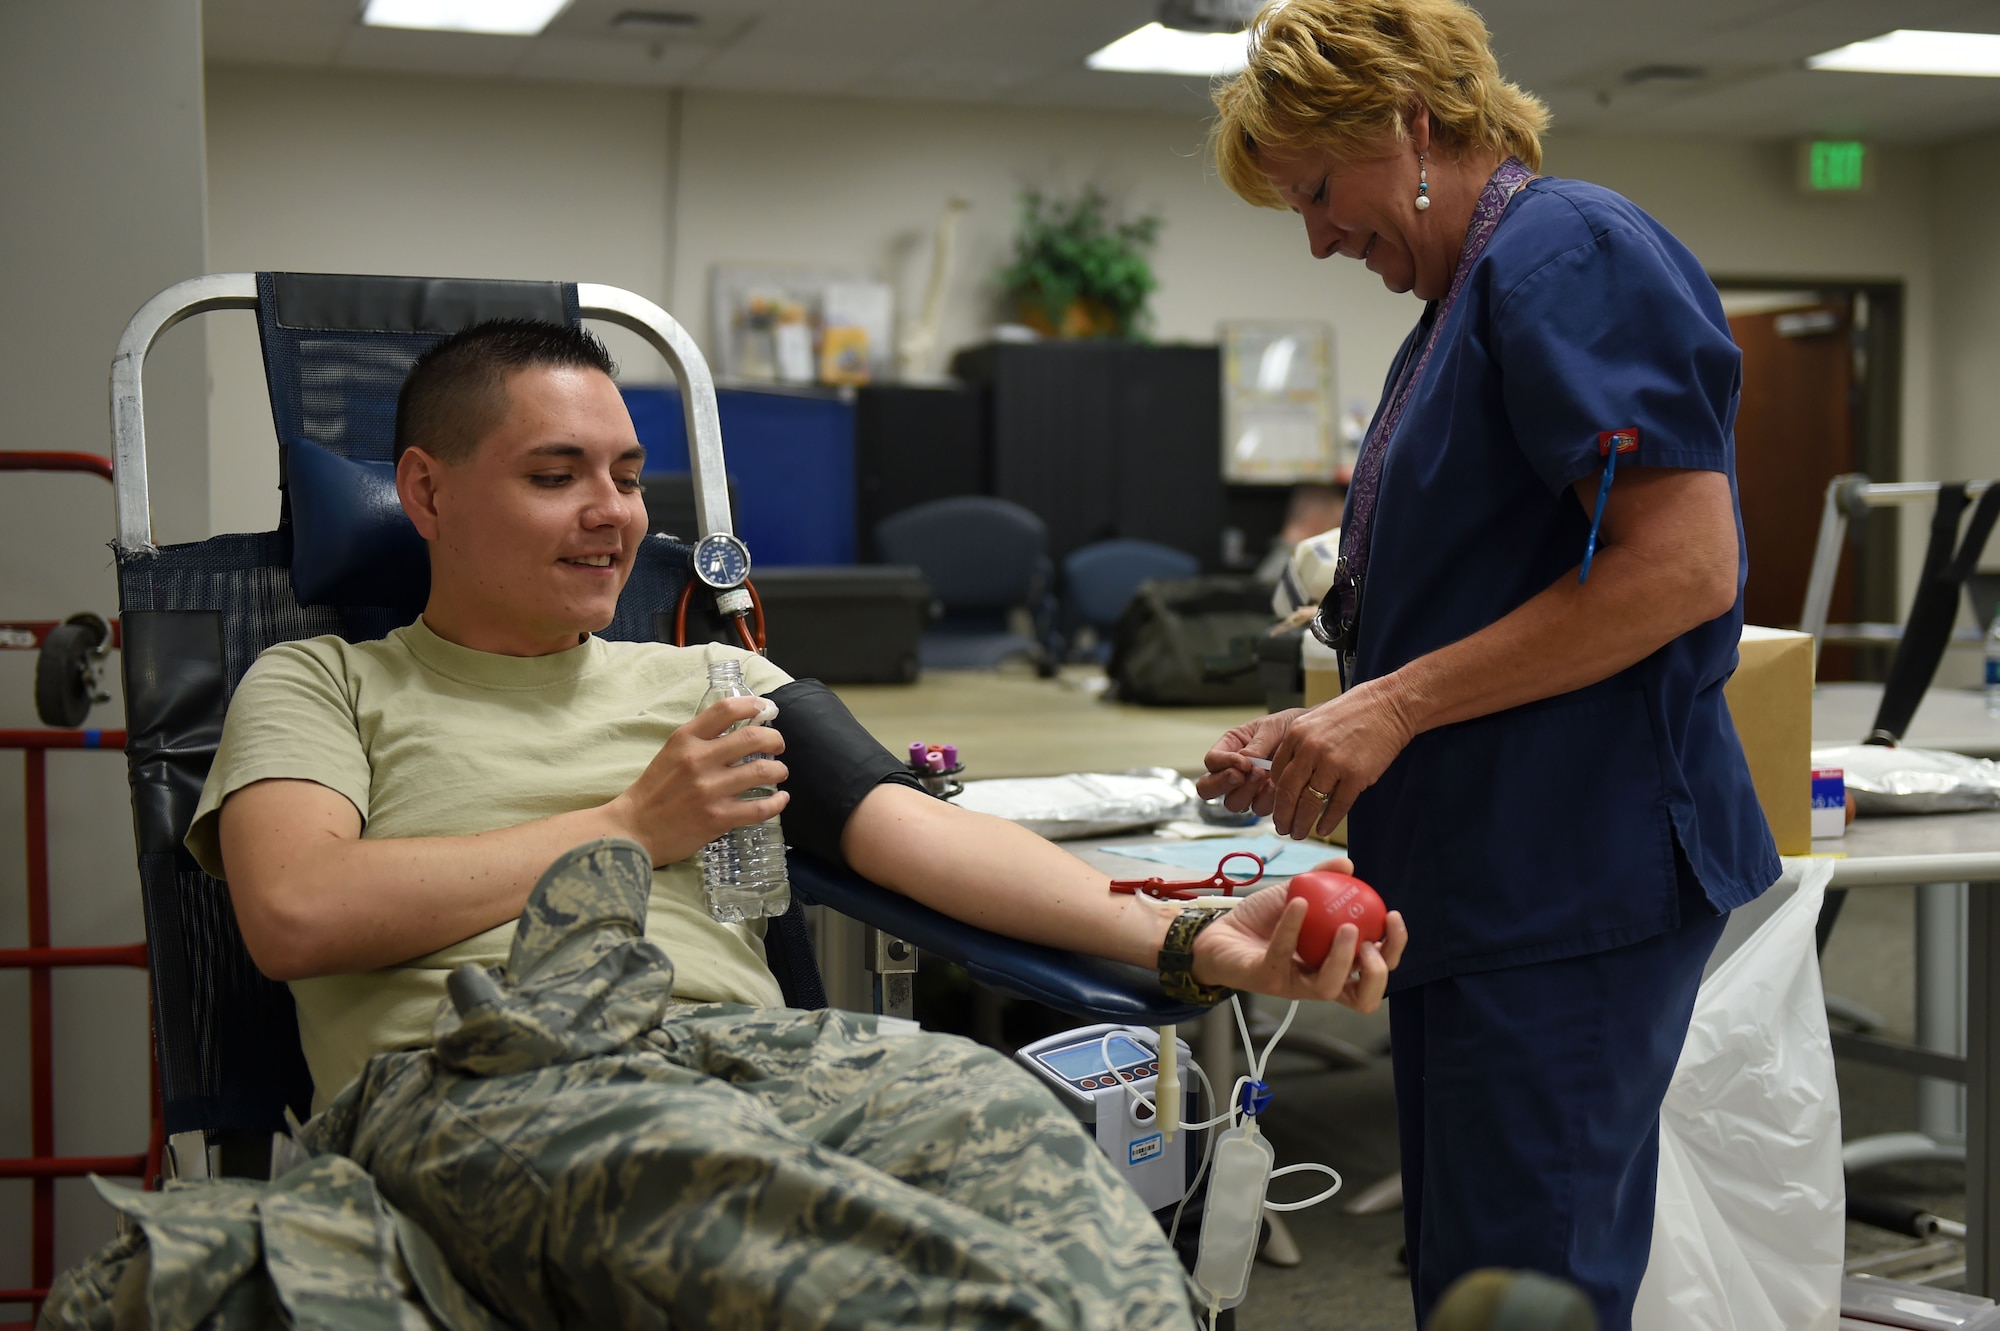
(1491,205)
(1597,517)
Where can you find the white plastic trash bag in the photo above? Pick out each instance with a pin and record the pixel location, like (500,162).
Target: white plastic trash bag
(1749,1230)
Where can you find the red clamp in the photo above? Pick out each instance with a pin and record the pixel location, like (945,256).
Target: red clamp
(1219,881)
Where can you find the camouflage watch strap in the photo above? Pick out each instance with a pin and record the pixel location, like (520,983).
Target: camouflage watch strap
(1177,958)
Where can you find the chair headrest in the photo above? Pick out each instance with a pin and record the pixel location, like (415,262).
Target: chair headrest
(352,544)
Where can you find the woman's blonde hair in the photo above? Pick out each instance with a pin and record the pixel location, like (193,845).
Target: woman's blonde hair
(1345,75)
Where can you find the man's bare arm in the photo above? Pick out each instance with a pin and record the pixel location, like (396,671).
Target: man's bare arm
(314,898)
(1005,879)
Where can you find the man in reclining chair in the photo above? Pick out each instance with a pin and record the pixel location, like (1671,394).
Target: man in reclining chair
(583,1147)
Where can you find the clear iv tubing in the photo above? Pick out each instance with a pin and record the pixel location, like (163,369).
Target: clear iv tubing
(1132,1095)
(1243,1027)
(1258,1062)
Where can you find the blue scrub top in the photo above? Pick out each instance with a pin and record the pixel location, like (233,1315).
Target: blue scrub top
(1585,821)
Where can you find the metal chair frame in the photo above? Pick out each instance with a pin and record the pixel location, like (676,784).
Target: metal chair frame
(238,291)
(1850,498)
(1941,907)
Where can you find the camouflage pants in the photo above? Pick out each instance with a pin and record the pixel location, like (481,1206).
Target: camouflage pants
(587,1153)
(316,1249)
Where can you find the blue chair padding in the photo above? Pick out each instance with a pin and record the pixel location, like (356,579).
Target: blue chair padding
(1099,580)
(982,557)
(971,643)
(352,544)
(1088,987)
(336,346)
(977,552)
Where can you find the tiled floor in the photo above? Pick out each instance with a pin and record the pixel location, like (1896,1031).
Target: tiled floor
(1013,724)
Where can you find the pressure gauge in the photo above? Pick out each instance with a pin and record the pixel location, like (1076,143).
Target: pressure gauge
(721,561)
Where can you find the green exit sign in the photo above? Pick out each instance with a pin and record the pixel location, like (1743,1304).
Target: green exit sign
(1833,166)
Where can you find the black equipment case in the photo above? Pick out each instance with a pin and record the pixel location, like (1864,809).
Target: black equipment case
(846,624)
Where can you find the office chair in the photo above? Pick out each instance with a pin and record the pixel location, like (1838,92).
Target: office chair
(984,558)
(1098,582)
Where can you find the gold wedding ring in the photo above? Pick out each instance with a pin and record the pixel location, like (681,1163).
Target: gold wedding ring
(1321,796)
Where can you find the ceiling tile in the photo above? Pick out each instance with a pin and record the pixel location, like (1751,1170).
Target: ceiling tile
(433,52)
(1111,91)
(1799,103)
(1577,54)
(296,32)
(598,60)
(717,22)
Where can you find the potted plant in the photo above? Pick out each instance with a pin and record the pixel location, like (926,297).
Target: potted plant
(1077,274)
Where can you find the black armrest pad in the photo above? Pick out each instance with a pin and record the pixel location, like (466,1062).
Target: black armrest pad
(176,694)
(834,764)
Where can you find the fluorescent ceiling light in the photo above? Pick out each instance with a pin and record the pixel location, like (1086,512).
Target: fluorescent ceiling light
(1157,49)
(516,18)
(1910,51)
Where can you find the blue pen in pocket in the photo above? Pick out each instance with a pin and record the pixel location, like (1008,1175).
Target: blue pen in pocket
(1610,443)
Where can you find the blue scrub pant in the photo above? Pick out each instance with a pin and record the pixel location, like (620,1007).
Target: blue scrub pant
(1528,1102)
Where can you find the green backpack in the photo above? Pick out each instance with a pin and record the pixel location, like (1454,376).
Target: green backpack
(1191,642)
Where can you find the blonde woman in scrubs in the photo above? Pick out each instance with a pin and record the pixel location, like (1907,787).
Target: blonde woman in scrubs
(1539,602)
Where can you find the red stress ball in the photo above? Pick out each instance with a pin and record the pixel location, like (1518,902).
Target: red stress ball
(1334,899)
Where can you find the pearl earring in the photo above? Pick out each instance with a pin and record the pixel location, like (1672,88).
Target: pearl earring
(1423,185)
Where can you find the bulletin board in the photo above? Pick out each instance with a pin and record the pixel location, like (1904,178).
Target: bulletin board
(1278,419)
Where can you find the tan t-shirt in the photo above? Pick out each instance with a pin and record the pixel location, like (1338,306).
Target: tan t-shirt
(427,738)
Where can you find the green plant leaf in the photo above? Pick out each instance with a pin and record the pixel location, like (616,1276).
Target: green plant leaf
(1065,251)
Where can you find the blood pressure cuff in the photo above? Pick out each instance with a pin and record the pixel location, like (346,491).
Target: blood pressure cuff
(834,763)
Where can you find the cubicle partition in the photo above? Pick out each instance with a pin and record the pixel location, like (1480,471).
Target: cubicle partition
(791,465)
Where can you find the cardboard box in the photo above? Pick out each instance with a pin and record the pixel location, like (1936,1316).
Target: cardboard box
(1770,700)
(1322,669)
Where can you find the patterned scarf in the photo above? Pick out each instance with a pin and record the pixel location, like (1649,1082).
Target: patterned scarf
(1493,200)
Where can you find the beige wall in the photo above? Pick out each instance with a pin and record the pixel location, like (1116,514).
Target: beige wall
(1965,375)
(360,173)
(372,173)
(1963,379)
(102,158)
(862,184)
(407,174)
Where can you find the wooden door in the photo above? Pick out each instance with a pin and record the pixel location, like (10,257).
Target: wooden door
(1794,433)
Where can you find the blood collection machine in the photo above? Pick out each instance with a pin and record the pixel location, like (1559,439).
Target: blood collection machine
(1152,1160)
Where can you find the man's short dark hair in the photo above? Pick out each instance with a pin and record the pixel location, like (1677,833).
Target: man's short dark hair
(457,391)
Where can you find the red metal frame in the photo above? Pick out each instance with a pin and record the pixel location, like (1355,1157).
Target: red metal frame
(39,630)
(97,465)
(41,959)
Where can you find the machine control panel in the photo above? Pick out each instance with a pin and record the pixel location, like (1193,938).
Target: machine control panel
(1082,1066)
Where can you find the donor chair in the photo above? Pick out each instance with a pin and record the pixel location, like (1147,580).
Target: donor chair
(344,560)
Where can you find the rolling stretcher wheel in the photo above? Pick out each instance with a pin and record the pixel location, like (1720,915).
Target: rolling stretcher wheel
(66,670)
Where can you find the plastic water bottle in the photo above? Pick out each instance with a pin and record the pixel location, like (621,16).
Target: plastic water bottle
(743,871)
(1993,668)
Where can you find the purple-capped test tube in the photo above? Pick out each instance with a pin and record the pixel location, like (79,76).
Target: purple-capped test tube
(919,756)
(950,756)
